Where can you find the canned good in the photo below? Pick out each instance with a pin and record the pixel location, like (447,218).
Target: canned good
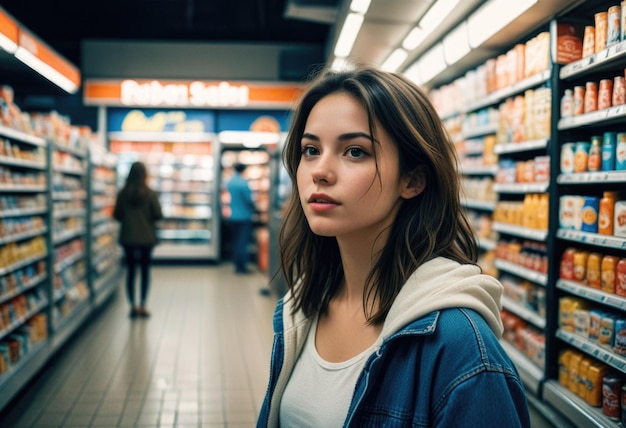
(567,263)
(580,265)
(593,270)
(620,277)
(609,269)
(611,395)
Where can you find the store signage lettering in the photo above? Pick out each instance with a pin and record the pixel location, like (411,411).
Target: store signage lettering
(196,94)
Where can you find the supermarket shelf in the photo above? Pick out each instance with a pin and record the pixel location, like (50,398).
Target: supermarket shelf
(521,271)
(526,314)
(594,294)
(606,241)
(575,408)
(592,177)
(521,147)
(24,371)
(522,232)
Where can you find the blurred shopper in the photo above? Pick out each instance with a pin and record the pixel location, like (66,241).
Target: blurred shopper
(388,320)
(242,209)
(137,208)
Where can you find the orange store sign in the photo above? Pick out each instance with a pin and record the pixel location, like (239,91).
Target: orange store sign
(192,94)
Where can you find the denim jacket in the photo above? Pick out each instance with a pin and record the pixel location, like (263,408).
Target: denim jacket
(444,368)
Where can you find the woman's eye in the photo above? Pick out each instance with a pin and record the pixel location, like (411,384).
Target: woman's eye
(309,151)
(356,152)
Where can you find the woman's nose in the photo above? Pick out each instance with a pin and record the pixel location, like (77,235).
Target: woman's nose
(323,172)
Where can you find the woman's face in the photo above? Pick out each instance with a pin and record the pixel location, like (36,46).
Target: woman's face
(340,192)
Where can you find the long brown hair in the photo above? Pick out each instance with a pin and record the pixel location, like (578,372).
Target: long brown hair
(136,186)
(430,225)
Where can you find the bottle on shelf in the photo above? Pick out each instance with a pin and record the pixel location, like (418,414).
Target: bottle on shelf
(606,213)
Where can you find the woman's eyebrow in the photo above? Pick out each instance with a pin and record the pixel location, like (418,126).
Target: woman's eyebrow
(342,137)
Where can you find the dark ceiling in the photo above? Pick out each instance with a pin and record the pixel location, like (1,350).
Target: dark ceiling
(62,24)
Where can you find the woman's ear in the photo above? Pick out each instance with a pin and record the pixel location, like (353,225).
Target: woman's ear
(413,183)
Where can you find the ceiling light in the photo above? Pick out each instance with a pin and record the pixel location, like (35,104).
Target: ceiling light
(360,6)
(413,73)
(7,44)
(395,60)
(456,44)
(414,38)
(432,63)
(348,34)
(437,13)
(482,25)
(45,70)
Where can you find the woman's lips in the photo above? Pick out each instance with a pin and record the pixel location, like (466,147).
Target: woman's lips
(322,203)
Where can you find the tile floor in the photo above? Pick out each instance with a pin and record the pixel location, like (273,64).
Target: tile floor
(200,360)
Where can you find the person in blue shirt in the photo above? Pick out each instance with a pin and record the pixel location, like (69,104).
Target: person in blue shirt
(388,319)
(242,210)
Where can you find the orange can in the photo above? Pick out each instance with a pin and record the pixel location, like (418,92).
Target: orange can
(608,272)
(593,270)
(580,265)
(620,277)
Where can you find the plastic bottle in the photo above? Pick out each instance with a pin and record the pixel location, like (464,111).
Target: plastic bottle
(594,160)
(567,103)
(606,213)
(620,152)
(593,270)
(608,273)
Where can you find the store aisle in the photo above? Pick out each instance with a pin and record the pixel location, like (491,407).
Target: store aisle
(201,359)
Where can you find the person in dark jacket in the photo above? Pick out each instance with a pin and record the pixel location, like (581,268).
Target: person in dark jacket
(137,208)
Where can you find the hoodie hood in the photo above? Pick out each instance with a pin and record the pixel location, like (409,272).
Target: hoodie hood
(443,283)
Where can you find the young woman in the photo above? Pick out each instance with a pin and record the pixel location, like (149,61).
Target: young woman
(388,320)
(137,208)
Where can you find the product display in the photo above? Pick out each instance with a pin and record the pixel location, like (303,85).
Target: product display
(558,185)
(46,292)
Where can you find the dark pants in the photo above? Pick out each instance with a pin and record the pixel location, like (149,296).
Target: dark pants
(241,231)
(137,255)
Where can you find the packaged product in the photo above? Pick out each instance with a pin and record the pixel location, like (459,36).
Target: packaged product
(601,21)
(611,390)
(595,373)
(606,213)
(620,152)
(564,356)
(583,367)
(619,219)
(569,46)
(620,277)
(567,157)
(607,331)
(594,159)
(605,94)
(620,337)
(608,274)
(614,33)
(590,208)
(594,261)
(581,156)
(609,140)
(589,41)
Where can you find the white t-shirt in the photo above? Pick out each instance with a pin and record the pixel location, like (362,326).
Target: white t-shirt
(318,393)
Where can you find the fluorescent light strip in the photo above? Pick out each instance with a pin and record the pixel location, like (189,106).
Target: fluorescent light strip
(360,6)
(7,44)
(431,20)
(482,25)
(456,44)
(395,60)
(341,64)
(249,138)
(45,70)
(348,34)
(432,63)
